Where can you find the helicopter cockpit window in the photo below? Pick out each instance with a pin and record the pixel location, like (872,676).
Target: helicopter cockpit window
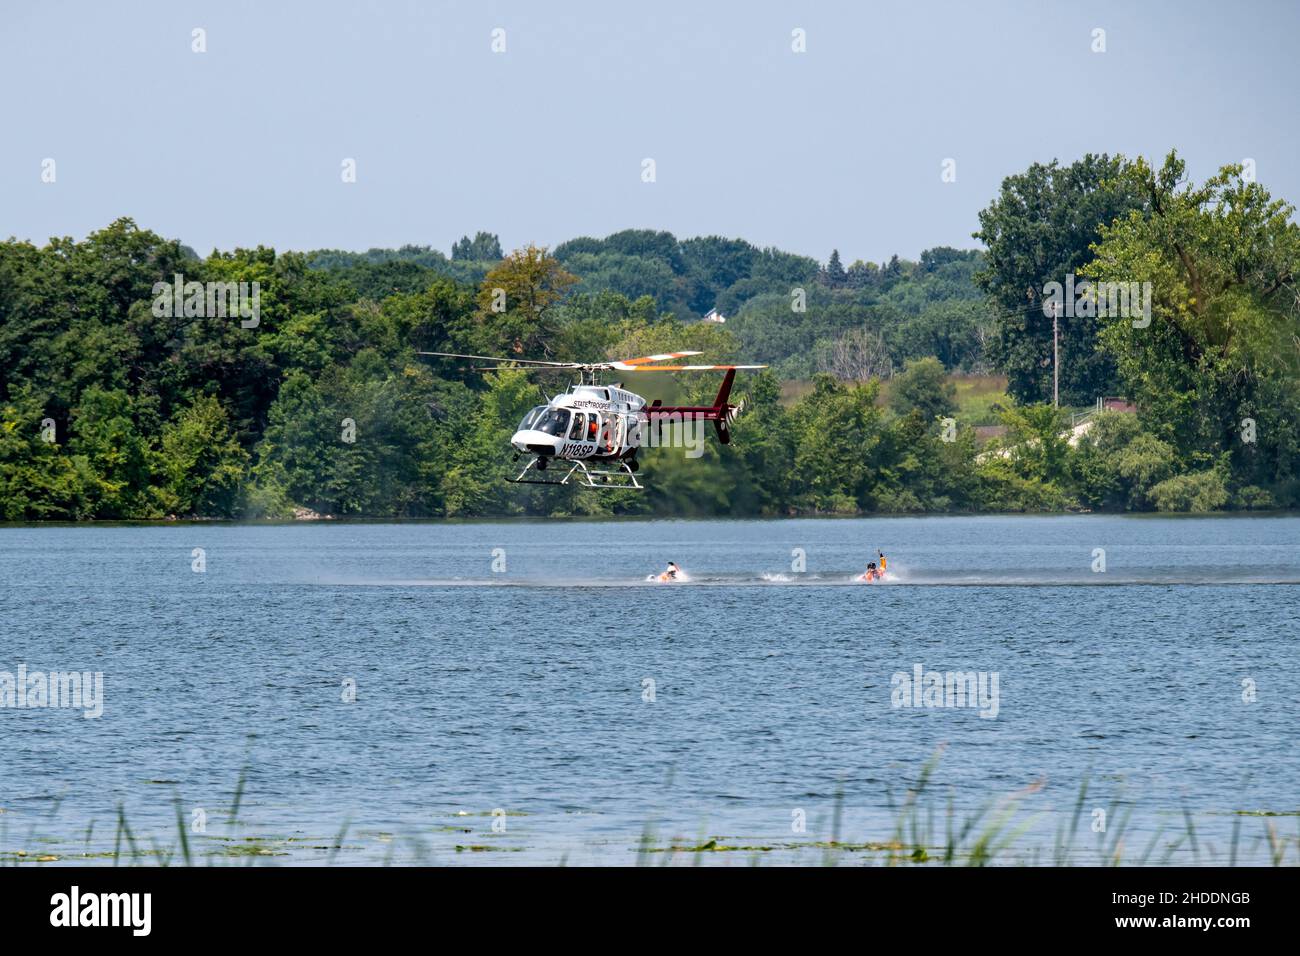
(579,423)
(531,418)
(555,422)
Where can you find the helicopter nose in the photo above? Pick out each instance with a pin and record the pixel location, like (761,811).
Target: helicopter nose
(538,443)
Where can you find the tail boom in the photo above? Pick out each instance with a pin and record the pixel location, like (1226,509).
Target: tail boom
(720,412)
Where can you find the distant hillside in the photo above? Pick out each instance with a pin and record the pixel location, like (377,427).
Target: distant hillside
(785,309)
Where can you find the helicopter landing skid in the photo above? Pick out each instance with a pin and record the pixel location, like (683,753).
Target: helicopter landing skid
(619,477)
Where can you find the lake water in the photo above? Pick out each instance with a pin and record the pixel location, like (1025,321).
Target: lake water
(609,718)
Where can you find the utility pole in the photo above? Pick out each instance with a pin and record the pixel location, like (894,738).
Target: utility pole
(1056,359)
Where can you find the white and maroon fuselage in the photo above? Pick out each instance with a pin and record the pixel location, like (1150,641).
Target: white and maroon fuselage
(605,422)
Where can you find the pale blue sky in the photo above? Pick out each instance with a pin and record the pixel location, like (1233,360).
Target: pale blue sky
(838,147)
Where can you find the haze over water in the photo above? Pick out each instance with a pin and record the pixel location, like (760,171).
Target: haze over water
(524,690)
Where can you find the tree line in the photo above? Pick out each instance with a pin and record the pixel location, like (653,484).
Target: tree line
(112,407)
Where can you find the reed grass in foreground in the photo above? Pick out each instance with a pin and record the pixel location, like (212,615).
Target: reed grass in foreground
(927,830)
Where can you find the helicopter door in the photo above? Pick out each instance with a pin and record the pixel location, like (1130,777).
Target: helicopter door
(630,431)
(617,434)
(606,432)
(577,432)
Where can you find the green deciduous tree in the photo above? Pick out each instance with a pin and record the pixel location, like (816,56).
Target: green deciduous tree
(1199,491)
(923,386)
(1040,228)
(839,436)
(1217,370)
(1116,464)
(202,463)
(517,304)
(105,433)
(39,480)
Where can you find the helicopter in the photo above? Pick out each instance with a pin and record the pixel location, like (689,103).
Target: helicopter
(596,430)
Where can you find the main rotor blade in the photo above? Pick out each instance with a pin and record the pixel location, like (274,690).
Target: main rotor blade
(500,358)
(618,365)
(621,364)
(689,368)
(493,368)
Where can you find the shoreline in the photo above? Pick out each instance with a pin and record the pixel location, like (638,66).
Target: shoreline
(591,519)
